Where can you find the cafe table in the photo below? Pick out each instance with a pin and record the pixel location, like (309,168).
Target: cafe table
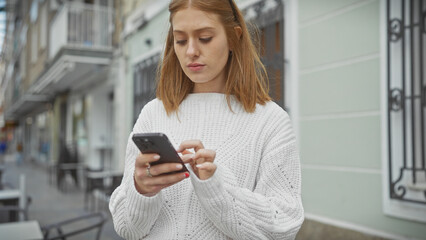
(27,230)
(10,197)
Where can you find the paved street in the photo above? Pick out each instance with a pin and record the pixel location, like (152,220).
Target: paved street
(49,205)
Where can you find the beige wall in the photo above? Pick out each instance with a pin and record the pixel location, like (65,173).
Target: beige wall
(33,69)
(25,79)
(118,20)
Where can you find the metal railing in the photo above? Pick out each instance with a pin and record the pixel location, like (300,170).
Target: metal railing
(80,25)
(144,83)
(406,99)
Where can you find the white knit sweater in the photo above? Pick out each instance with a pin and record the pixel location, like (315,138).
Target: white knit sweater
(254,193)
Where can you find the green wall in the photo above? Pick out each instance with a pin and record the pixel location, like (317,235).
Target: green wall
(155,30)
(340,115)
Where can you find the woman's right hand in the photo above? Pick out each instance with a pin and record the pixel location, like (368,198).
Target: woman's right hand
(151,185)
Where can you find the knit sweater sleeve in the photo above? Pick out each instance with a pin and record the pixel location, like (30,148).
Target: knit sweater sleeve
(132,213)
(273,210)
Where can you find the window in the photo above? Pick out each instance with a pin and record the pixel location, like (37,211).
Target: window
(406,101)
(144,74)
(23,63)
(43,26)
(34,43)
(34,11)
(23,34)
(17,88)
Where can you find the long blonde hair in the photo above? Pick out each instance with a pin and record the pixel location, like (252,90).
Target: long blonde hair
(246,76)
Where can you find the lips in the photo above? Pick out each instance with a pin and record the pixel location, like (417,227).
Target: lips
(195,66)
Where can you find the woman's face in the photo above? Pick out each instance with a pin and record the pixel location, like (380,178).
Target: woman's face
(201,46)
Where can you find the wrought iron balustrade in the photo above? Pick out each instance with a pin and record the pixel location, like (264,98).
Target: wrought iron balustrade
(81,25)
(144,83)
(406,21)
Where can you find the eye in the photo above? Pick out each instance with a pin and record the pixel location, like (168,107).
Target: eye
(206,40)
(180,42)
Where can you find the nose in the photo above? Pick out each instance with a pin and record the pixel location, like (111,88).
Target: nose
(192,50)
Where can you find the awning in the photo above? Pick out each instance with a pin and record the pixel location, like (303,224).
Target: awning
(71,69)
(24,105)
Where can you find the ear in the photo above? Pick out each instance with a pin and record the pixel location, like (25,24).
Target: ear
(238,31)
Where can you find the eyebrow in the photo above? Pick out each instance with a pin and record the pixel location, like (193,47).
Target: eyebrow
(196,30)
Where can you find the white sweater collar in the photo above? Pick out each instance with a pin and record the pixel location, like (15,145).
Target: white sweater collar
(206,97)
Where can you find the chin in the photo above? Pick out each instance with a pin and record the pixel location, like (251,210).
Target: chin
(197,79)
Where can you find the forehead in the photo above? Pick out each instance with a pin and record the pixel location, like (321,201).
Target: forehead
(191,19)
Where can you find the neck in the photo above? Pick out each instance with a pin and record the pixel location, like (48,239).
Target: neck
(201,88)
(215,86)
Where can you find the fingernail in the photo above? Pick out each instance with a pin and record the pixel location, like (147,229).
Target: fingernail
(199,165)
(186,175)
(179,166)
(156,157)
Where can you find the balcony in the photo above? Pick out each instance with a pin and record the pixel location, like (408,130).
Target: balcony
(80,46)
(81,26)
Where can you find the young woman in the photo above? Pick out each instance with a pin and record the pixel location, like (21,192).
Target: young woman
(244,175)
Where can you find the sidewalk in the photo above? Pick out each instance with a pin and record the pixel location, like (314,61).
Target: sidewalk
(49,205)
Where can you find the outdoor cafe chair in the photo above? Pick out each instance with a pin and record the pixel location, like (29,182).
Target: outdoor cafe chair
(10,210)
(91,184)
(104,194)
(7,210)
(62,230)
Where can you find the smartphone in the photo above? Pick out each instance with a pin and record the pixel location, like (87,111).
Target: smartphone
(158,143)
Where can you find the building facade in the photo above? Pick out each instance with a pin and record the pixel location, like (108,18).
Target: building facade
(348,73)
(61,70)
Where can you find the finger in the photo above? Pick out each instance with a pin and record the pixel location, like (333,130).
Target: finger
(187,152)
(208,155)
(140,173)
(207,166)
(206,170)
(158,188)
(188,158)
(165,168)
(165,186)
(188,144)
(143,159)
(168,179)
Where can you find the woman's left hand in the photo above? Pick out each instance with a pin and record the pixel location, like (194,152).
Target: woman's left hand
(201,161)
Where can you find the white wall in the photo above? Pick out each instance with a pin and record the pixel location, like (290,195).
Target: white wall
(98,106)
